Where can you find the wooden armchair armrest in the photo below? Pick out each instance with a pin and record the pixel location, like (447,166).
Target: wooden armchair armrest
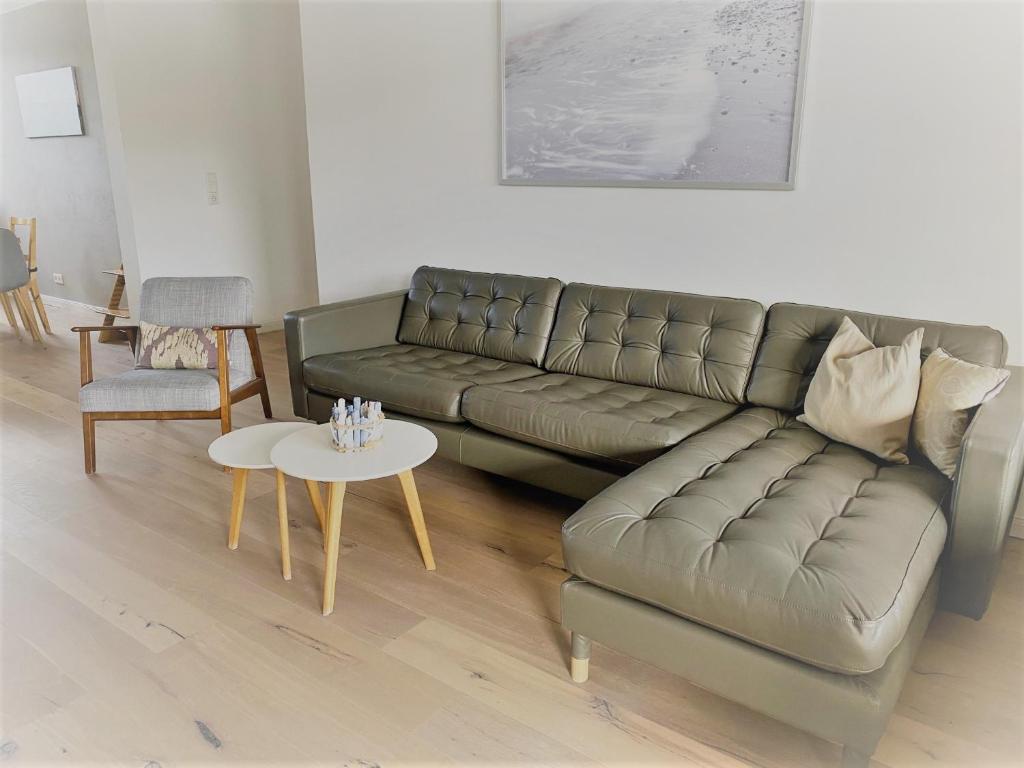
(244,327)
(90,328)
(85,344)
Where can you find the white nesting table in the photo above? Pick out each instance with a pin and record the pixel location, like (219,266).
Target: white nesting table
(250,448)
(309,454)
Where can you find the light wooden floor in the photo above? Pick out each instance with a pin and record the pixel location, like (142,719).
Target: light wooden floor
(132,636)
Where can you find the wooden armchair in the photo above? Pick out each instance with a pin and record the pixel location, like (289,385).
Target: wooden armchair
(221,303)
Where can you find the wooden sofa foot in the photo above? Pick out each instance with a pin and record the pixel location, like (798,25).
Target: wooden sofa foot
(854,758)
(579,662)
(580,670)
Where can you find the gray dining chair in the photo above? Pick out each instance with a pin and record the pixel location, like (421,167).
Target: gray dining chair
(14,284)
(221,303)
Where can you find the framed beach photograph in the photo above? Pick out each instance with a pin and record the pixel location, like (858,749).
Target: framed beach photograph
(667,93)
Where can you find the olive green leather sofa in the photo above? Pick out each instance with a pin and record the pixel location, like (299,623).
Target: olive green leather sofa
(721,539)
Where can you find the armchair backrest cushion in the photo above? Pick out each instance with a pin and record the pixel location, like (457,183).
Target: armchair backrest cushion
(13,270)
(200,302)
(796,336)
(697,345)
(504,317)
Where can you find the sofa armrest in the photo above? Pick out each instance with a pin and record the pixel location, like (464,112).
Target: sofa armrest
(343,326)
(985,496)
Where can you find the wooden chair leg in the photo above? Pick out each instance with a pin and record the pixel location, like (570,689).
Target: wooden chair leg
(224,382)
(25,310)
(5,300)
(257,368)
(37,299)
(265,399)
(282,521)
(225,426)
(89,439)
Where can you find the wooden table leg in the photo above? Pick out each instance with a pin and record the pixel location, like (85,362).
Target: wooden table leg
(313,489)
(282,521)
(237,506)
(335,496)
(412,500)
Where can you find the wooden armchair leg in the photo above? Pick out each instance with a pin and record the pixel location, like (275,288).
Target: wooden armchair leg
(265,399)
(89,438)
(225,419)
(224,381)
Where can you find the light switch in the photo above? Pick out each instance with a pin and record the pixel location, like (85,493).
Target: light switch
(212,194)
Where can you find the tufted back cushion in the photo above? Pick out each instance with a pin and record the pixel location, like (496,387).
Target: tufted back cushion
(504,317)
(697,345)
(796,335)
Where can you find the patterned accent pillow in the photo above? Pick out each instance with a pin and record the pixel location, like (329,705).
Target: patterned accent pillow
(168,346)
(950,389)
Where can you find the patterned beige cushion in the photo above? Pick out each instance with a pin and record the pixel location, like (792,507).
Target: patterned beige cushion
(168,346)
(865,395)
(950,388)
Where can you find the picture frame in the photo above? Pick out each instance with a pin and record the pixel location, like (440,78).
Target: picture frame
(784,183)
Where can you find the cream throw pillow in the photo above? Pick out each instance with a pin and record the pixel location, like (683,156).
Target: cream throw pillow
(865,395)
(950,388)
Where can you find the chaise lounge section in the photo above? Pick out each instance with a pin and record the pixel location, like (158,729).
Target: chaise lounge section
(723,539)
(787,571)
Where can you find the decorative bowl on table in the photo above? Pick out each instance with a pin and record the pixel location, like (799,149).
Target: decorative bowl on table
(356,427)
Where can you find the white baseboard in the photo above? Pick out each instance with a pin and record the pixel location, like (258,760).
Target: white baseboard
(70,302)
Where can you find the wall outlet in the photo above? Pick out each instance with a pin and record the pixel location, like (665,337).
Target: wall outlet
(58,278)
(212,193)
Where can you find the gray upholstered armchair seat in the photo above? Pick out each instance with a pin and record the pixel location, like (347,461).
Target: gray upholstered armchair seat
(158,390)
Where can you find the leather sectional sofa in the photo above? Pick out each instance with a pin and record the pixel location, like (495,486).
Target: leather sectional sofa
(722,539)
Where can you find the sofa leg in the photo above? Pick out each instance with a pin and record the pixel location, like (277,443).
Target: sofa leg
(854,758)
(579,662)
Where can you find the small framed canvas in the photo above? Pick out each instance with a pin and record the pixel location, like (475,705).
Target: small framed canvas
(49,103)
(676,93)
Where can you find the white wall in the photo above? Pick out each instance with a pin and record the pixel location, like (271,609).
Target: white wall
(908,187)
(62,181)
(209,86)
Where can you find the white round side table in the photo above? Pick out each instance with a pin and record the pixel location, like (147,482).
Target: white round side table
(249,448)
(309,454)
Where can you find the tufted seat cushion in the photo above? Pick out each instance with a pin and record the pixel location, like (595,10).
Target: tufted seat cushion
(601,420)
(762,528)
(420,381)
